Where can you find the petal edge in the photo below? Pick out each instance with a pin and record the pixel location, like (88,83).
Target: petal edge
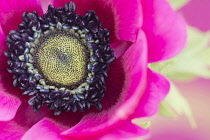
(165,30)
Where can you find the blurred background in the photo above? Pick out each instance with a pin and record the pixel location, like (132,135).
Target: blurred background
(197,14)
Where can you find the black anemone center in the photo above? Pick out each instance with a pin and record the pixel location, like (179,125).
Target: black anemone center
(60,59)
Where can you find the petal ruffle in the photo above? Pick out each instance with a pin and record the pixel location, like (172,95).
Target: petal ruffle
(122,18)
(157,88)
(165,30)
(10,131)
(3,46)
(47,128)
(50,131)
(51,126)
(45,4)
(120,47)
(23,120)
(11,12)
(127,131)
(8,107)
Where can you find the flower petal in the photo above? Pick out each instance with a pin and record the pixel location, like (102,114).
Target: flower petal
(45,4)
(3,46)
(120,47)
(117,109)
(127,131)
(47,128)
(23,120)
(11,12)
(8,107)
(51,131)
(9,130)
(165,30)
(51,126)
(122,18)
(157,89)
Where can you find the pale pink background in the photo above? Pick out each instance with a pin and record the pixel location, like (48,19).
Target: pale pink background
(198,94)
(197,14)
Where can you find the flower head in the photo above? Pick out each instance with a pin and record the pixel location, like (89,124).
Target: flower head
(141,32)
(61,59)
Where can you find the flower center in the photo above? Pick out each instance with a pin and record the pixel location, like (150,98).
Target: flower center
(61,59)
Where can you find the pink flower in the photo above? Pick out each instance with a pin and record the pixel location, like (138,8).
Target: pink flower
(142,32)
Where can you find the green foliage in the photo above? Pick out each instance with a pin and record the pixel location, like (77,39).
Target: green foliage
(145,124)
(178,3)
(175,104)
(192,62)
(142,123)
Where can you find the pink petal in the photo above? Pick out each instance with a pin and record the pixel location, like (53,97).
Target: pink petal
(157,88)
(8,104)
(10,131)
(8,107)
(122,18)
(127,131)
(120,47)
(51,126)
(45,4)
(165,30)
(23,120)
(11,12)
(47,129)
(50,131)
(134,66)
(3,46)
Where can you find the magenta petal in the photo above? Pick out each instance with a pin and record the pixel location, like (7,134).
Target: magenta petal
(126,130)
(45,4)
(123,18)
(9,130)
(11,12)
(134,62)
(50,126)
(3,46)
(157,88)
(165,30)
(23,120)
(43,130)
(120,47)
(8,106)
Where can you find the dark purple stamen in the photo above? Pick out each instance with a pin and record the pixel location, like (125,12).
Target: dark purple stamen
(21,41)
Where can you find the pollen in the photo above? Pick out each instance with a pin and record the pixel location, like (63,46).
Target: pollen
(62,58)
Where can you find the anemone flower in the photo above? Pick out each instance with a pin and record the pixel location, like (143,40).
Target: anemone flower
(79,70)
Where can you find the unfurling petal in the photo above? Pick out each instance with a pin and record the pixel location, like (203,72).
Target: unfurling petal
(157,88)
(11,12)
(165,30)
